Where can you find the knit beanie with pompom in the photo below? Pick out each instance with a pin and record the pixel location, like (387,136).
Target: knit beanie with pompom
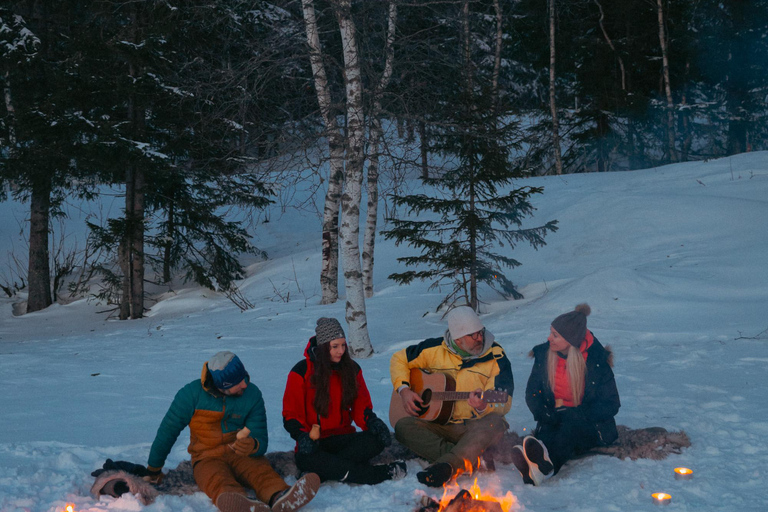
(573,326)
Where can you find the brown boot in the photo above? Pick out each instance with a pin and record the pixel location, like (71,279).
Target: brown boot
(235,502)
(298,495)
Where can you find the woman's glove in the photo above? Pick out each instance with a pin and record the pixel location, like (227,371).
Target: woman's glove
(243,446)
(379,429)
(306,446)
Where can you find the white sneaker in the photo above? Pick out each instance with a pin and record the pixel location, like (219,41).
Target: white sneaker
(539,464)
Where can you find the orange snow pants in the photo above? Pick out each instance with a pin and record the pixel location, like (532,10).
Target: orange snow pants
(235,473)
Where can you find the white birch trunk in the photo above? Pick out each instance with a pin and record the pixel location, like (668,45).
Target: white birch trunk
(357,334)
(667,85)
(329,273)
(372,211)
(552,101)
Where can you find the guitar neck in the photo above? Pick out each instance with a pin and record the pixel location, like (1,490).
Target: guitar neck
(450,396)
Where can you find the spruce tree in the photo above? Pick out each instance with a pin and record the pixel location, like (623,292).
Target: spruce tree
(460,229)
(47,137)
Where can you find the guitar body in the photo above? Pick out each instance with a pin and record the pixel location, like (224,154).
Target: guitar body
(426,385)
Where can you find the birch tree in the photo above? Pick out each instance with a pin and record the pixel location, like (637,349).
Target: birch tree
(667,86)
(376,136)
(552,100)
(359,341)
(330,226)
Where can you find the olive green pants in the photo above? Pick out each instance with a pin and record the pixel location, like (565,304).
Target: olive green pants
(452,443)
(235,473)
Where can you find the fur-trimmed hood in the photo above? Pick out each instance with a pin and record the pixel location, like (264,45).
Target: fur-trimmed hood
(117,482)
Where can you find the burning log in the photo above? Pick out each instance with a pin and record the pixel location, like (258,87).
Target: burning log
(462,502)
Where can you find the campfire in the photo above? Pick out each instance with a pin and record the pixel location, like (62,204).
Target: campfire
(474,499)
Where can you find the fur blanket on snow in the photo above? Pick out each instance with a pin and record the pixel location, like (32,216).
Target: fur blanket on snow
(654,443)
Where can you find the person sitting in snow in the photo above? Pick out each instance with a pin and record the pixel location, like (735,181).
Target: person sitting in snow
(572,395)
(228,438)
(467,353)
(324,394)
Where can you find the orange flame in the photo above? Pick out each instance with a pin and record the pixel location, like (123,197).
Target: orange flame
(70,507)
(451,489)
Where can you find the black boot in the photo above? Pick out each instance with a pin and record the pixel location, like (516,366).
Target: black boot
(435,475)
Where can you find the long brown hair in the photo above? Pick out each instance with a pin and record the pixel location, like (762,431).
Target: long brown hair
(576,369)
(321,379)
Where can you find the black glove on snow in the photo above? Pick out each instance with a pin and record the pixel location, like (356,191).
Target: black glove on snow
(306,446)
(379,429)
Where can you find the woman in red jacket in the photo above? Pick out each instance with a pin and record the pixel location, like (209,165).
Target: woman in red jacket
(324,394)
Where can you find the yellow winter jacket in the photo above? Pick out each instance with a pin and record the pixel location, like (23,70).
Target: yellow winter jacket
(490,370)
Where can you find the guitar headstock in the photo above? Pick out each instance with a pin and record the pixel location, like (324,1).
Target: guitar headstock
(495,396)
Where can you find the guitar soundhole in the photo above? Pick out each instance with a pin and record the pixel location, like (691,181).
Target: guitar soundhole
(426,396)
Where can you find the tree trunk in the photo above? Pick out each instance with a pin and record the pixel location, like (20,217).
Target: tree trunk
(610,43)
(552,101)
(473,297)
(131,249)
(137,249)
(10,114)
(329,273)
(497,55)
(124,249)
(372,211)
(667,86)
(602,150)
(685,146)
(424,147)
(736,90)
(359,341)
(39,275)
(467,52)
(167,251)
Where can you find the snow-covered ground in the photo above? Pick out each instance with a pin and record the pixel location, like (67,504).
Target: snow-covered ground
(672,261)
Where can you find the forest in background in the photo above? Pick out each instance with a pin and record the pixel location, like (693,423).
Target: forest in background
(187,108)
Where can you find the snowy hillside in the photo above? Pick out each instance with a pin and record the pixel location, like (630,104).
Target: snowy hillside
(672,261)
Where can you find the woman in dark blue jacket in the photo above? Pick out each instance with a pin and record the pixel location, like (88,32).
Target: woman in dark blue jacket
(572,395)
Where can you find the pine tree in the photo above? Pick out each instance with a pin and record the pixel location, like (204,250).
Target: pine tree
(47,137)
(461,227)
(177,140)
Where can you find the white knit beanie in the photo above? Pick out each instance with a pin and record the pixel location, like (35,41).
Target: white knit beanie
(462,321)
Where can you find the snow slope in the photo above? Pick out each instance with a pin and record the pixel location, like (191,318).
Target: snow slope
(672,261)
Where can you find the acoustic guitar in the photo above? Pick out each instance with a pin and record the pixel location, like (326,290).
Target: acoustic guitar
(439,395)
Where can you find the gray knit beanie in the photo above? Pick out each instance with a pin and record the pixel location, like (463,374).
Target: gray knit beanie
(573,326)
(328,329)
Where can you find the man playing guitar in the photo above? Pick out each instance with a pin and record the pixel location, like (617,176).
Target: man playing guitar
(474,365)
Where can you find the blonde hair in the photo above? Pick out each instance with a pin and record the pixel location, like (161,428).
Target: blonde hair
(575,368)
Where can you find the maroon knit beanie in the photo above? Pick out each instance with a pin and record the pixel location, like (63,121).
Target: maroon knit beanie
(573,326)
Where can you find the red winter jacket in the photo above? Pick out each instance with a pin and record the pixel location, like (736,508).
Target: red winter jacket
(299,412)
